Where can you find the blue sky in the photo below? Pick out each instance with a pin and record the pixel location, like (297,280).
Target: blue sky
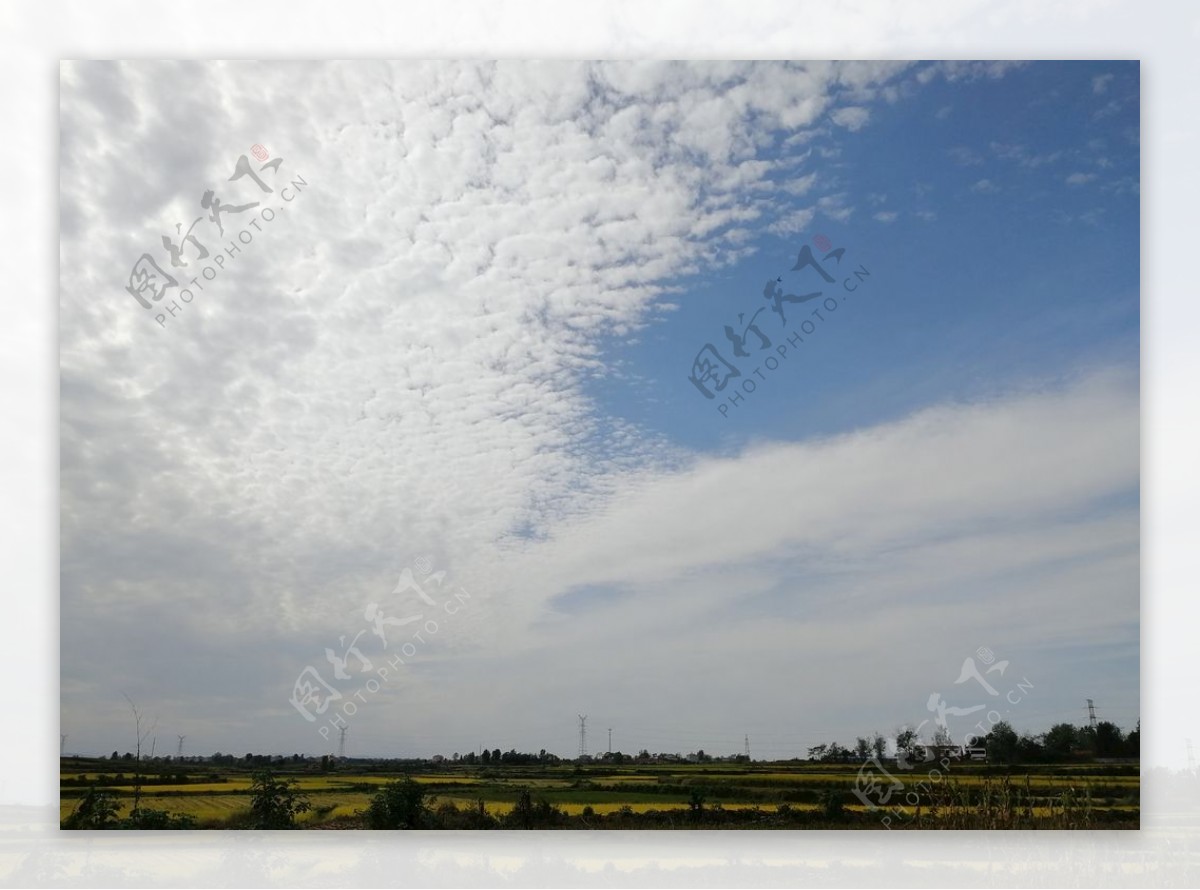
(999,220)
(465,346)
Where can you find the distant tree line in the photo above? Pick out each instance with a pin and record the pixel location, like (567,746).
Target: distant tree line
(1060,743)
(513,757)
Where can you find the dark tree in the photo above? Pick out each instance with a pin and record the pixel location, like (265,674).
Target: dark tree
(523,813)
(1133,741)
(398,805)
(1002,744)
(1029,749)
(1109,739)
(1060,740)
(836,754)
(878,745)
(275,803)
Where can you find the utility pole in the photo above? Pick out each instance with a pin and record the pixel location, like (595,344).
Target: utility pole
(62,743)
(610,740)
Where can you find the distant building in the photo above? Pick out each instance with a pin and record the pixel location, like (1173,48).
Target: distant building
(931,753)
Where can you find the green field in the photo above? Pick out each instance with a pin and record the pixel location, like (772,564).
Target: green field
(774,795)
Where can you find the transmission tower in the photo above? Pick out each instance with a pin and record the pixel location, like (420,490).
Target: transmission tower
(747,747)
(610,740)
(62,743)
(342,743)
(179,748)
(1091,714)
(583,735)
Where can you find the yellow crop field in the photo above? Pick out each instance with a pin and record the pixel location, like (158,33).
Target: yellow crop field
(780,796)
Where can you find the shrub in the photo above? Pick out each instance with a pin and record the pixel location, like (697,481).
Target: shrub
(159,820)
(274,802)
(834,803)
(522,813)
(96,809)
(528,813)
(399,804)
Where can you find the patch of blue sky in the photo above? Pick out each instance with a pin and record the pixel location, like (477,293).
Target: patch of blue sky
(999,220)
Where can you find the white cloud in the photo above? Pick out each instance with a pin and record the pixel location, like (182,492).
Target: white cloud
(1080,178)
(886,216)
(965,157)
(398,368)
(1011,522)
(800,185)
(985,186)
(954,71)
(1023,156)
(835,208)
(1100,83)
(792,223)
(853,118)
(396,365)
(942,472)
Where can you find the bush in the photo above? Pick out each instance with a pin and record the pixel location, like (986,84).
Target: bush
(835,804)
(159,820)
(522,814)
(480,817)
(399,804)
(96,809)
(530,814)
(274,802)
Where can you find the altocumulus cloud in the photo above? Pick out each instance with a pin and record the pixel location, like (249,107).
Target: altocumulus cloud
(397,369)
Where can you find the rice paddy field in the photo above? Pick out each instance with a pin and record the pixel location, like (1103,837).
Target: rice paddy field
(779,795)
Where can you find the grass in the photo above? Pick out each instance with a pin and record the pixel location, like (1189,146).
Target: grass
(973,795)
